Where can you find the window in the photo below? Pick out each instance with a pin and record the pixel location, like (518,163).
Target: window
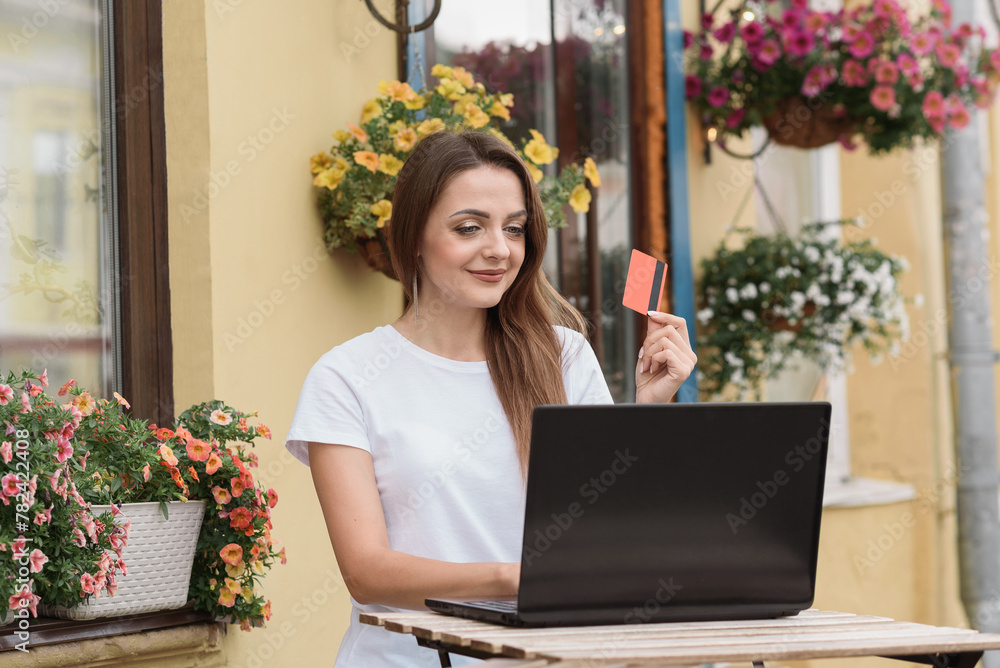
(83,282)
(568,65)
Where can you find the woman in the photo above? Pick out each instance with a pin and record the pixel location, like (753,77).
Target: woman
(417,432)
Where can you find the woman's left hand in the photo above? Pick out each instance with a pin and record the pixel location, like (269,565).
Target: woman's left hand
(665,359)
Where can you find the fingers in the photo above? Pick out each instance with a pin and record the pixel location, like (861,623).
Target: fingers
(657,340)
(658,319)
(670,351)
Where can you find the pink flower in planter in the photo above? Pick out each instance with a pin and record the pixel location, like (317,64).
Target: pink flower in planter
(725,33)
(717,97)
(933,104)
(863,45)
(198,450)
(65,388)
(64,450)
(25,600)
(692,86)
(854,74)
(8,485)
(25,403)
(799,42)
(908,64)
(883,97)
(44,378)
(815,22)
(19,546)
(886,72)
(79,538)
(121,400)
(220,417)
(850,32)
(232,554)
(752,33)
(37,560)
(7,452)
(707,19)
(6,394)
(44,517)
(87,582)
(949,54)
(221,495)
(791,19)
(769,52)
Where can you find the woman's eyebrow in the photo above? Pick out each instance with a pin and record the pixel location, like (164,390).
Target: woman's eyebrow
(484,214)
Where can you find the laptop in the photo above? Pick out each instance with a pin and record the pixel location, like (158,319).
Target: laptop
(667,512)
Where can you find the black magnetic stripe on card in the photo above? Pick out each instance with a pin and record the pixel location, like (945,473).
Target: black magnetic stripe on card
(654,293)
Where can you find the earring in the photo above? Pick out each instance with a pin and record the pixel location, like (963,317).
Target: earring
(415,311)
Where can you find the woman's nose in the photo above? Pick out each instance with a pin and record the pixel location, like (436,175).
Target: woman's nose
(497,245)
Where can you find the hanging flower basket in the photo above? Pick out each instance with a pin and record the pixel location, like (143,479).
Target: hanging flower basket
(158,561)
(376,254)
(796,123)
(876,71)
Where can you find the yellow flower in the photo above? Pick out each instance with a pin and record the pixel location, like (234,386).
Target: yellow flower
(536,174)
(258,567)
(463,76)
(233,586)
(389,164)
(341,135)
(579,199)
(500,111)
(590,171)
(480,88)
(474,116)
(372,109)
(396,127)
(450,89)
(538,149)
(397,91)
(382,209)
(441,71)
(501,136)
(367,159)
(319,162)
(415,103)
(235,571)
(506,99)
(405,139)
(430,126)
(358,133)
(248,593)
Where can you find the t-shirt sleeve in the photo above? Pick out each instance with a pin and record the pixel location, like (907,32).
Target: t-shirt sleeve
(582,374)
(329,408)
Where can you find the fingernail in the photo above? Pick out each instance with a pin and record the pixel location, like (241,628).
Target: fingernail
(640,353)
(654,313)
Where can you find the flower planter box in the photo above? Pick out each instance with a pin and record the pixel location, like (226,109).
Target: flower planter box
(158,558)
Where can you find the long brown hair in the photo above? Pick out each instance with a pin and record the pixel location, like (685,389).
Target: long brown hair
(523,352)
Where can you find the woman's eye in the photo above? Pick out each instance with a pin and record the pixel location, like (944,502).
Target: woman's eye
(516,230)
(467,230)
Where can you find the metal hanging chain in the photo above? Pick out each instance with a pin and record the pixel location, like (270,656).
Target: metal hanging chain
(770,207)
(405,29)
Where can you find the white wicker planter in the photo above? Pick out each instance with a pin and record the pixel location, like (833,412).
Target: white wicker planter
(159,556)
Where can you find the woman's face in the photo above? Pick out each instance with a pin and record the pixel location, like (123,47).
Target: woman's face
(474,240)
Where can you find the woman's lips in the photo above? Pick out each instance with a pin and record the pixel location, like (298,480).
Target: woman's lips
(488,276)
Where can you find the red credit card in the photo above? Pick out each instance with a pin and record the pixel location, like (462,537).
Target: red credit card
(644,284)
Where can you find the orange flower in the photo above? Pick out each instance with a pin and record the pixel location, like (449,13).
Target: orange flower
(163,433)
(65,388)
(265,610)
(263,430)
(358,133)
(213,463)
(194,474)
(145,473)
(198,450)
(84,403)
(167,455)
(221,495)
(240,518)
(367,159)
(237,485)
(272,498)
(181,432)
(242,425)
(227,598)
(232,554)
(121,401)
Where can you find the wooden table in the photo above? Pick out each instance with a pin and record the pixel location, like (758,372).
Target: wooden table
(812,634)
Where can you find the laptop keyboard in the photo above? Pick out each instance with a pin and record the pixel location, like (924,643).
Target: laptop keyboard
(499,606)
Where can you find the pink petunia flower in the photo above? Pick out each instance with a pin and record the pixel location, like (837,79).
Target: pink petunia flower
(948,54)
(718,96)
(692,86)
(121,400)
(815,22)
(883,97)
(37,560)
(752,33)
(735,117)
(25,600)
(7,452)
(725,33)
(9,485)
(854,74)
(44,517)
(886,72)
(933,104)
(65,388)
(6,394)
(25,403)
(923,43)
(87,582)
(220,417)
(64,450)
(863,45)
(79,538)
(907,64)
(799,42)
(44,378)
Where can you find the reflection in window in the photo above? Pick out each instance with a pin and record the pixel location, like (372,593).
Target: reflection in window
(566,64)
(52,295)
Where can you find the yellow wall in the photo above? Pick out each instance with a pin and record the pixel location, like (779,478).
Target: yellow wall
(256,299)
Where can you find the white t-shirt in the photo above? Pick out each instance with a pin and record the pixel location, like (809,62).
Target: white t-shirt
(443,453)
